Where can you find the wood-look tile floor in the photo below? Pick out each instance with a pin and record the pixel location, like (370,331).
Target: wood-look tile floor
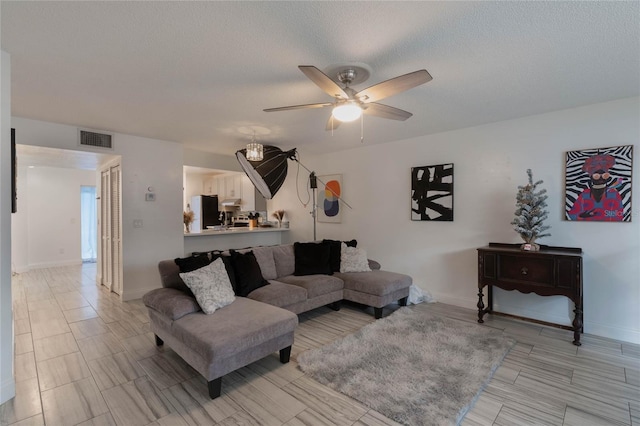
(84,358)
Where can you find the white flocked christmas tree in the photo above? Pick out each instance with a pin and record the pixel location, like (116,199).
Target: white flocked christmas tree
(530,213)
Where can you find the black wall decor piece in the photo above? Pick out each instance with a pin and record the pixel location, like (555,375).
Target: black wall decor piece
(14,173)
(432,193)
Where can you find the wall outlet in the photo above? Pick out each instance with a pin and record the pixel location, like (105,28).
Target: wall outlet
(137,223)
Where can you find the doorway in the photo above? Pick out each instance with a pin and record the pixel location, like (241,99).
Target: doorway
(88,224)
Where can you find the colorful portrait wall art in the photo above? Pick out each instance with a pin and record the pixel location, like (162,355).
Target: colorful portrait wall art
(598,184)
(432,193)
(329,205)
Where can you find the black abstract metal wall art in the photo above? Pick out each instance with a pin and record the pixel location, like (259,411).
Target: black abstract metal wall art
(432,193)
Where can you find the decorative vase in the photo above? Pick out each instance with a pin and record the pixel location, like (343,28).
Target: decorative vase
(530,247)
(187,228)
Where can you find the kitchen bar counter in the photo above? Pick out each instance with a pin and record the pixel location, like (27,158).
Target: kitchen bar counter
(232,238)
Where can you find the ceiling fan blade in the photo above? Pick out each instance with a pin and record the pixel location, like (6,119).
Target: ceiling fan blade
(332,123)
(329,86)
(385,111)
(393,86)
(286,108)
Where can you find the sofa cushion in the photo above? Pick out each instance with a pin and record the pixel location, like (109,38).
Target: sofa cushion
(316,285)
(378,283)
(193,262)
(264,256)
(247,272)
(312,258)
(210,285)
(373,265)
(353,259)
(285,260)
(334,249)
(279,294)
(228,265)
(220,335)
(170,302)
(169,277)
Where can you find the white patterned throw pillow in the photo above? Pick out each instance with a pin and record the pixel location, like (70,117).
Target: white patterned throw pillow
(353,259)
(210,285)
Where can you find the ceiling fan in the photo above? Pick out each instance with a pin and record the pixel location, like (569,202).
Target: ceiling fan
(348,104)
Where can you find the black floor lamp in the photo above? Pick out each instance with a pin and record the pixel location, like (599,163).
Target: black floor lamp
(268,174)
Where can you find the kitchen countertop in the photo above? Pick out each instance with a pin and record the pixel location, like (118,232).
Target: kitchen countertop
(231,231)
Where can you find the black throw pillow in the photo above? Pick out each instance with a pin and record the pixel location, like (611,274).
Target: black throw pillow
(312,258)
(228,265)
(193,262)
(248,275)
(334,252)
(189,264)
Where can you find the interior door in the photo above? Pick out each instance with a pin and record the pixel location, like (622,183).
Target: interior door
(111,228)
(105,228)
(116,230)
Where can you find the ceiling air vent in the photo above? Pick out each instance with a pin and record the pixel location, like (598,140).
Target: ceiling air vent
(96,140)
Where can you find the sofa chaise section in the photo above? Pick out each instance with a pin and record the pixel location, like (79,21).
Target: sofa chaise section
(214,345)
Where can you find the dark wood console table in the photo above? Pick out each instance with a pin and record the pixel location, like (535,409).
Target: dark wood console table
(549,272)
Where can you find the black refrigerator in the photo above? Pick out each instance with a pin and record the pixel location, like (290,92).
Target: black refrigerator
(205,210)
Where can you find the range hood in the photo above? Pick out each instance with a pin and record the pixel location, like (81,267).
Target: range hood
(230,202)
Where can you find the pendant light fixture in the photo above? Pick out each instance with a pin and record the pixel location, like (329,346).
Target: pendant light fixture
(255,150)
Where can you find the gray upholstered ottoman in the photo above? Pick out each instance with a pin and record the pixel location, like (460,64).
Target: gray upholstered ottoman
(376,288)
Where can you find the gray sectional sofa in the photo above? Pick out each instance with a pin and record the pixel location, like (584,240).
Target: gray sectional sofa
(255,326)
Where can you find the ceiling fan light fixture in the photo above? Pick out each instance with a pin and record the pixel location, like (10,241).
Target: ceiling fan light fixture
(255,151)
(347,112)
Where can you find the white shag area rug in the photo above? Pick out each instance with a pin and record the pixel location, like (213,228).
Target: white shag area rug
(414,367)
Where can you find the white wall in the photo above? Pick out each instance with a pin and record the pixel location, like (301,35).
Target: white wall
(145,162)
(7,378)
(490,161)
(193,185)
(19,225)
(52,204)
(208,160)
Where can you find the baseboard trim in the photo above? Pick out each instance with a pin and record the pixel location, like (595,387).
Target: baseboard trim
(455,301)
(7,390)
(624,334)
(590,327)
(135,294)
(20,269)
(45,265)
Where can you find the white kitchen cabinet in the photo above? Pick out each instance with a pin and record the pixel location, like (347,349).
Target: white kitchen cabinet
(210,186)
(217,186)
(233,186)
(220,187)
(252,200)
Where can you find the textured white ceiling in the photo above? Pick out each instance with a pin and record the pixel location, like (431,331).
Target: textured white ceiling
(200,72)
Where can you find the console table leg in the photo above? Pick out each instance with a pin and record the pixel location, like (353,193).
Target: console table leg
(480,306)
(577,324)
